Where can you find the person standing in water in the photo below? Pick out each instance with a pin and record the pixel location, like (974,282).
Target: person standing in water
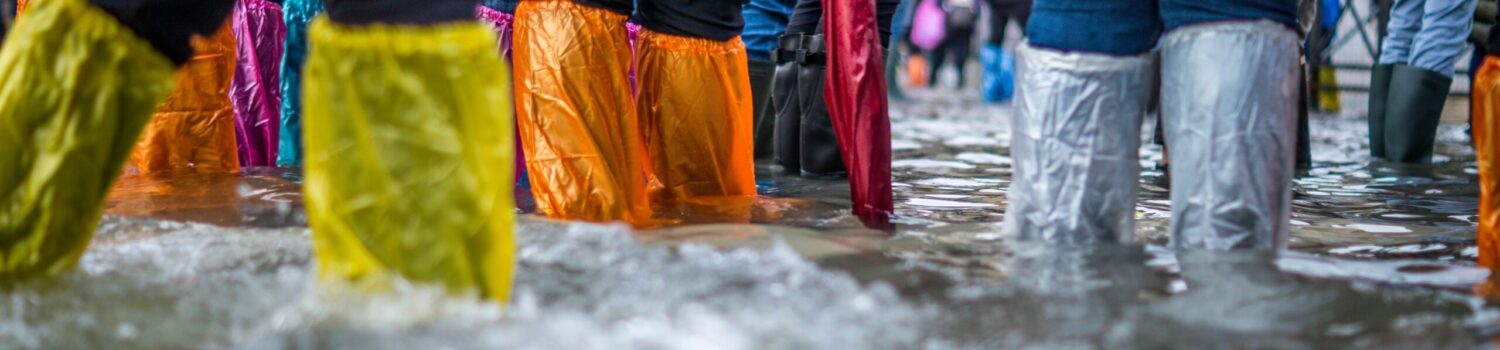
(81,81)
(1228,72)
(1409,86)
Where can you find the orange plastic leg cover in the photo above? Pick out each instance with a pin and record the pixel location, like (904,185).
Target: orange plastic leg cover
(696,115)
(1486,112)
(193,130)
(578,123)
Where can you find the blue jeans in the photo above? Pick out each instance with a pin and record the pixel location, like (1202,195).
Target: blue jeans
(765,20)
(1427,34)
(1131,27)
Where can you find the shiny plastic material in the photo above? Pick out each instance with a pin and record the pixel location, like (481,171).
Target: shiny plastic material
(1229,99)
(855,93)
(1075,145)
(408,163)
(256,90)
(66,128)
(998,84)
(578,121)
(504,25)
(193,130)
(1486,130)
(299,13)
(696,113)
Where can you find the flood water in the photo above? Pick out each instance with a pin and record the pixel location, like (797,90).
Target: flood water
(1381,256)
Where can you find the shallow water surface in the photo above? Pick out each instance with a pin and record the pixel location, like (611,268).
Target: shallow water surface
(1382,256)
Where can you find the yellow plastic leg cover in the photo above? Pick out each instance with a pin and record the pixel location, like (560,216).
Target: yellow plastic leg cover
(193,130)
(696,113)
(78,89)
(1486,112)
(408,142)
(578,123)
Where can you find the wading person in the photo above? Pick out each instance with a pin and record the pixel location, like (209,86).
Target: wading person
(694,99)
(1486,132)
(1228,73)
(193,131)
(81,81)
(256,89)
(299,14)
(578,121)
(409,150)
(1409,86)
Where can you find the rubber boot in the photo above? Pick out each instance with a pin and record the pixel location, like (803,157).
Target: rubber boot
(786,105)
(819,142)
(1380,85)
(1413,110)
(1075,145)
(1229,95)
(761,75)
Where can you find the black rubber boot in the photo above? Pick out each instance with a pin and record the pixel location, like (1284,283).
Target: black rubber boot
(1413,111)
(1380,85)
(820,144)
(785,105)
(761,75)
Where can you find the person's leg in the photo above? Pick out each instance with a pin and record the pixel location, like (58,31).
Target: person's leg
(765,22)
(1401,31)
(495,14)
(1486,114)
(936,58)
(1233,131)
(409,147)
(1082,84)
(578,121)
(963,44)
(694,103)
(299,14)
(193,130)
(1419,88)
(256,93)
(786,89)
(1404,20)
(82,80)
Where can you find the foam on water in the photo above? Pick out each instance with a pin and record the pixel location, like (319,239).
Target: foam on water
(152,284)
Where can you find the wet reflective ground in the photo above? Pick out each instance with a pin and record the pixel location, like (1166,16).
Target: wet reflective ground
(1382,256)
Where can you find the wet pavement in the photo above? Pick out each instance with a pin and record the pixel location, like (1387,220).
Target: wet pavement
(1382,256)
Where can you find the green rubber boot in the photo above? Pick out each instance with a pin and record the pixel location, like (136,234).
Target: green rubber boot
(1413,110)
(1380,85)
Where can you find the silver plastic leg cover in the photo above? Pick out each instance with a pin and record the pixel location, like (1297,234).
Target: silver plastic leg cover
(1075,145)
(1229,94)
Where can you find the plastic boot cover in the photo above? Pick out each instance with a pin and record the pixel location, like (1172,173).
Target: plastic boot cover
(1233,133)
(1075,145)
(80,123)
(578,122)
(299,13)
(761,74)
(786,104)
(998,83)
(819,144)
(256,89)
(1413,110)
(856,97)
(1486,112)
(193,130)
(504,25)
(408,163)
(696,113)
(1380,87)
